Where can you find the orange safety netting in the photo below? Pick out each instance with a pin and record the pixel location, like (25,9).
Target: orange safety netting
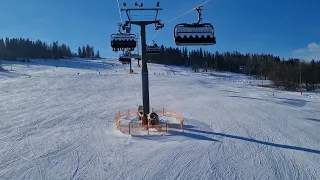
(136,127)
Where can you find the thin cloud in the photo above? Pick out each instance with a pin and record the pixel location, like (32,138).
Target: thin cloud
(313,47)
(312,51)
(299,51)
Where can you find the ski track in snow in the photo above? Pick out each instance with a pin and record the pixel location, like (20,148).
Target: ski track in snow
(58,124)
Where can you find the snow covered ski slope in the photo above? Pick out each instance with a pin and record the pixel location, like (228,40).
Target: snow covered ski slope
(57,122)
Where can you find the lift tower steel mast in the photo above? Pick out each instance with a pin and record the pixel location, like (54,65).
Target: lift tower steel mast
(144,69)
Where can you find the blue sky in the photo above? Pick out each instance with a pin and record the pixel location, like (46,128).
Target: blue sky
(287,28)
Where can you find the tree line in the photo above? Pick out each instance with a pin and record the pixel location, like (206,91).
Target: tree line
(282,72)
(21,48)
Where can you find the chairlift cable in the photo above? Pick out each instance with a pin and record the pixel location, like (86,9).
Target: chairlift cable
(187,12)
(119,11)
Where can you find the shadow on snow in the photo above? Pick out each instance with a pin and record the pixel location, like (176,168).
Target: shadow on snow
(192,132)
(70,63)
(312,119)
(283,101)
(175,134)
(7,73)
(257,141)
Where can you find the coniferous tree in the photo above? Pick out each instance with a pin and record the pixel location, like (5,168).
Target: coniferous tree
(79,52)
(55,50)
(97,54)
(69,53)
(283,73)
(2,49)
(88,51)
(10,49)
(92,52)
(84,52)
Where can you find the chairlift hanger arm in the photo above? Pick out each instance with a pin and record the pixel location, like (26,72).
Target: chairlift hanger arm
(128,15)
(199,18)
(156,17)
(119,26)
(199,10)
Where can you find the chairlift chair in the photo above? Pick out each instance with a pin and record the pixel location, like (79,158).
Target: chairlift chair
(125,59)
(158,26)
(154,49)
(121,41)
(194,34)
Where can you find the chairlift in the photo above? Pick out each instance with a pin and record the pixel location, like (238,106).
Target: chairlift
(194,34)
(125,58)
(122,41)
(136,56)
(153,49)
(158,26)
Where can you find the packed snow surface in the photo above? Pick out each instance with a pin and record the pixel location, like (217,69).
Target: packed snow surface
(57,122)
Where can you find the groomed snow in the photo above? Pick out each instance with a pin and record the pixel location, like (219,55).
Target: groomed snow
(58,124)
